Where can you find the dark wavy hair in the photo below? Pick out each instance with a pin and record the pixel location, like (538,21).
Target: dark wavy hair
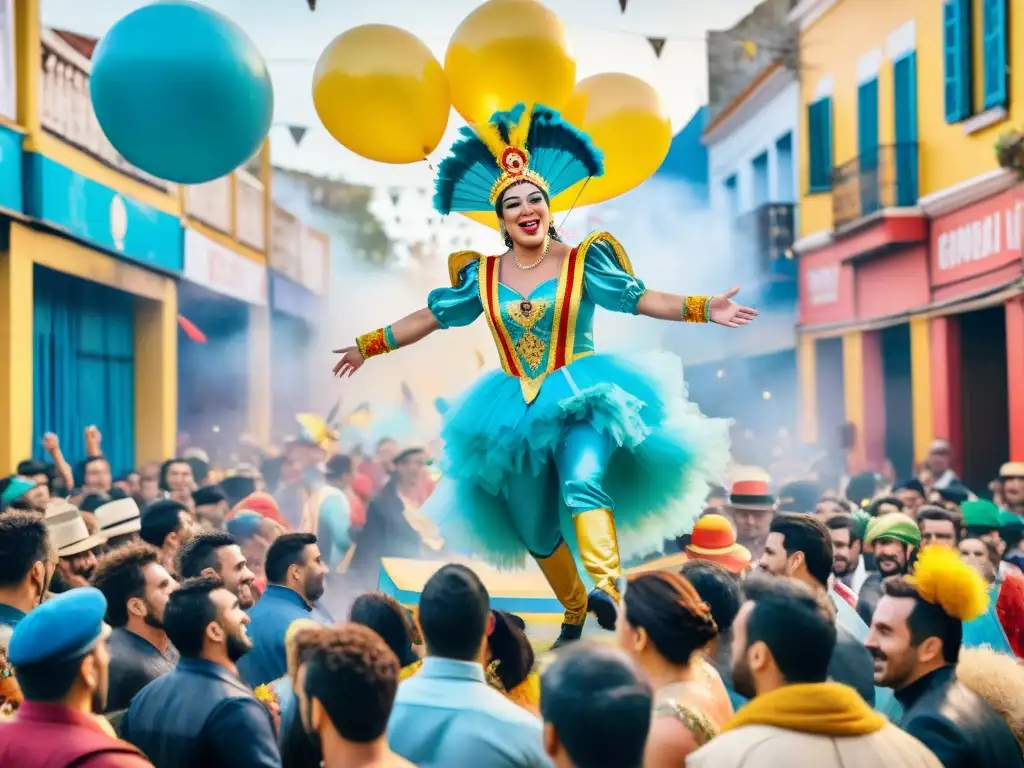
(387,618)
(671,611)
(511,649)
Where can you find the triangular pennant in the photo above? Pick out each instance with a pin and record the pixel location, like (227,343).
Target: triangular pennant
(312,4)
(622,5)
(657,43)
(298,133)
(394,197)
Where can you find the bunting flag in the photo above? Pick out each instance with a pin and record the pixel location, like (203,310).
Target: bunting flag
(394,197)
(623,4)
(657,43)
(298,132)
(312,4)
(749,48)
(191,330)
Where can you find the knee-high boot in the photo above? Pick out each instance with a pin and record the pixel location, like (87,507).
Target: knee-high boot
(560,570)
(599,550)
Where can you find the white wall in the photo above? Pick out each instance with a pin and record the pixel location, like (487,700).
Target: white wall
(739,144)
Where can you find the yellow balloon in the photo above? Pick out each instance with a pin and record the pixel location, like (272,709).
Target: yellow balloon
(626,118)
(380,92)
(506,52)
(487,218)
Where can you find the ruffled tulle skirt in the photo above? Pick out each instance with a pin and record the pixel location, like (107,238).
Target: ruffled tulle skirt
(667,453)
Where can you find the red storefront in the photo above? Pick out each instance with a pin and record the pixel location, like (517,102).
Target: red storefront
(977,332)
(925,319)
(857,293)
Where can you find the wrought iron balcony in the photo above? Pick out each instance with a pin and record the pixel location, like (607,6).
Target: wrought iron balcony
(885,177)
(766,234)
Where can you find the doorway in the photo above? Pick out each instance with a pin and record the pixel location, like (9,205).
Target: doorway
(899,403)
(984,405)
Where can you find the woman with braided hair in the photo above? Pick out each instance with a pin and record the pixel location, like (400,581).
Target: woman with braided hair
(666,626)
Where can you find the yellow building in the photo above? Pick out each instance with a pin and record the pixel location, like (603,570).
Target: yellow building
(97,262)
(909,249)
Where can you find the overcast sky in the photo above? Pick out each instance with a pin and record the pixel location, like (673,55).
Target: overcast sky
(291,38)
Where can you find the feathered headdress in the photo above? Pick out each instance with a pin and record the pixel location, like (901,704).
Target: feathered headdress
(534,145)
(943,579)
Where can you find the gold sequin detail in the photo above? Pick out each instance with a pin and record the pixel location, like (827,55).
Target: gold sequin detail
(696,722)
(695,309)
(531,348)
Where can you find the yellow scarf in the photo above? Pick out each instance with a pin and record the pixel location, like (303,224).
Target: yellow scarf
(410,670)
(824,709)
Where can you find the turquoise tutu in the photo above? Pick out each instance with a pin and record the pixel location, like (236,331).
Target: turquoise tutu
(667,452)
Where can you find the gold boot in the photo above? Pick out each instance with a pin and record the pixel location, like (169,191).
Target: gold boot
(599,550)
(560,571)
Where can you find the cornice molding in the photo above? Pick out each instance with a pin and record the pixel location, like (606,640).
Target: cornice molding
(968,192)
(807,12)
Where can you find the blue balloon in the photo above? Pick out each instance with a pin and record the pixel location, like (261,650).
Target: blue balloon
(181,92)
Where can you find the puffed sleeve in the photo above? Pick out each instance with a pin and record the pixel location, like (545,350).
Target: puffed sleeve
(607,283)
(460,305)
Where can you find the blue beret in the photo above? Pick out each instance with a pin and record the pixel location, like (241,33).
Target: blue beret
(64,627)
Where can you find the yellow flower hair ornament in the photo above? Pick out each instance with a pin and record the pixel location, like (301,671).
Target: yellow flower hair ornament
(943,579)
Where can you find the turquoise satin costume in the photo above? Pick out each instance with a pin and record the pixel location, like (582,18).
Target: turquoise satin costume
(564,450)
(606,431)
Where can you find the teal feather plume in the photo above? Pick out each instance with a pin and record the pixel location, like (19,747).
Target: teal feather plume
(560,153)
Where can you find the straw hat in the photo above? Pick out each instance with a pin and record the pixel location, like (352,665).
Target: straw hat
(714,539)
(119,517)
(68,531)
(1011,469)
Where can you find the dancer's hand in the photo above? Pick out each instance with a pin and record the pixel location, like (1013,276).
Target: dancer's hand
(351,361)
(727,312)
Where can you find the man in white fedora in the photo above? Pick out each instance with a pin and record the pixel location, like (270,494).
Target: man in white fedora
(120,522)
(75,546)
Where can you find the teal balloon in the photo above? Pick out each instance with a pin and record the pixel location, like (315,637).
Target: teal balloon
(181,92)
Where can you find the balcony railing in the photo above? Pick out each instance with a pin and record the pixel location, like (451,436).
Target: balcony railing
(249,213)
(66,108)
(210,203)
(885,177)
(767,234)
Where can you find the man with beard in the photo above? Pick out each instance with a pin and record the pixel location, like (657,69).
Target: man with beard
(27,563)
(1011,481)
(61,659)
(295,581)
(799,547)
(201,715)
(939,526)
(847,541)
(345,685)
(218,554)
(894,537)
(915,640)
(75,546)
(137,588)
(782,645)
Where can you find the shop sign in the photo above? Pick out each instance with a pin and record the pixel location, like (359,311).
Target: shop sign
(977,239)
(826,288)
(101,216)
(293,299)
(214,266)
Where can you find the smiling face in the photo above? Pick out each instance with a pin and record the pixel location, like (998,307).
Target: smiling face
(524,212)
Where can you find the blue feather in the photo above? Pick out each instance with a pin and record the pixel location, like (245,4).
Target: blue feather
(560,153)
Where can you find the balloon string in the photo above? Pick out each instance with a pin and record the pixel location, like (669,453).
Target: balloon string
(573,206)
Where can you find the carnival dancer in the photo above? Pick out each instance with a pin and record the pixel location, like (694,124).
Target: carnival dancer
(607,442)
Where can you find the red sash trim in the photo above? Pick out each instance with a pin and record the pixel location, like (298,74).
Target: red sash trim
(492,311)
(565,307)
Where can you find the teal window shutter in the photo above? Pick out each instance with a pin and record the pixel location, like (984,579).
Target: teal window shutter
(956,44)
(819,145)
(904,71)
(994,36)
(869,181)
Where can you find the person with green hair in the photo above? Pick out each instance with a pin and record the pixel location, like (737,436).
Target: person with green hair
(894,537)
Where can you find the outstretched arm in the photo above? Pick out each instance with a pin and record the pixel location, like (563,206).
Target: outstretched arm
(720,309)
(408,330)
